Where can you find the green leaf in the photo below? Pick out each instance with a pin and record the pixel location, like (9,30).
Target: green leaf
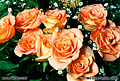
(36,79)
(4,14)
(17,65)
(44,64)
(26,66)
(6,65)
(4,46)
(3,56)
(26,58)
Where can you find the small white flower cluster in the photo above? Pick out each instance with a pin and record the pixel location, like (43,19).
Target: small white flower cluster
(80,3)
(94,46)
(79,26)
(57,29)
(60,72)
(55,4)
(69,12)
(9,9)
(90,42)
(75,17)
(102,71)
(7,2)
(14,2)
(23,5)
(2,0)
(106,4)
(113,7)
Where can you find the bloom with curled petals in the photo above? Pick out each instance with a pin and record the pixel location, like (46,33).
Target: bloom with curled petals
(107,39)
(46,46)
(7,30)
(29,43)
(65,48)
(54,18)
(92,15)
(28,19)
(83,66)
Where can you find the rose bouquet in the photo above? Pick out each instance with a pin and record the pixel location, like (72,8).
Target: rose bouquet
(64,41)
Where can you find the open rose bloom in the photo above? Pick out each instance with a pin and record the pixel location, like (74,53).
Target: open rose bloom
(53,19)
(7,30)
(45,48)
(28,19)
(65,47)
(83,66)
(29,43)
(92,16)
(108,41)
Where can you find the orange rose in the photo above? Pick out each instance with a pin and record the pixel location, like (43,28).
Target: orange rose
(46,46)
(7,30)
(92,15)
(83,66)
(65,48)
(54,18)
(28,19)
(29,43)
(108,41)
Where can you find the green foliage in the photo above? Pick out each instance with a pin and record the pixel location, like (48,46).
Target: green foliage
(44,64)
(6,65)
(12,65)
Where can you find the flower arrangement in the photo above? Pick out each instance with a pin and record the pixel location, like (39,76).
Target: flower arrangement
(60,40)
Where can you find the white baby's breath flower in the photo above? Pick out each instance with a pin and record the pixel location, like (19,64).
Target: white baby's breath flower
(72,0)
(57,29)
(22,0)
(9,9)
(69,12)
(14,2)
(68,15)
(68,26)
(113,15)
(94,44)
(112,6)
(38,63)
(86,35)
(80,3)
(55,4)
(75,17)
(7,2)
(90,42)
(24,4)
(60,72)
(79,26)
(68,9)
(106,4)
(2,0)
(94,48)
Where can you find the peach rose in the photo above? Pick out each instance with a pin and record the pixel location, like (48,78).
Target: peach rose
(108,41)
(7,30)
(29,43)
(83,66)
(92,15)
(46,46)
(54,18)
(65,48)
(28,19)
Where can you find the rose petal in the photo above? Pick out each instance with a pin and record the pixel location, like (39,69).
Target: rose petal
(93,70)
(44,57)
(87,51)
(18,52)
(77,33)
(110,57)
(57,65)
